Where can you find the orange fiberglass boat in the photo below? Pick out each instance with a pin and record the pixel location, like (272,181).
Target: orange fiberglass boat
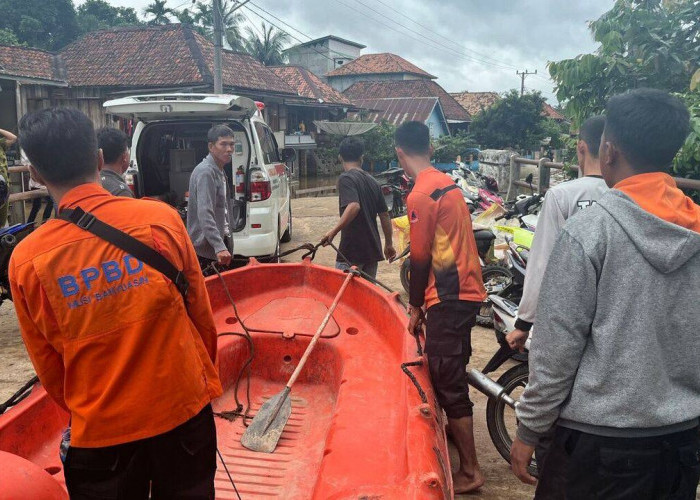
(359,427)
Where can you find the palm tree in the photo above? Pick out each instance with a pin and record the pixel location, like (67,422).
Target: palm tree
(159,12)
(230,19)
(268,49)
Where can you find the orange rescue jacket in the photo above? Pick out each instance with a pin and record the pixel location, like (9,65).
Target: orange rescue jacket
(111,338)
(444,258)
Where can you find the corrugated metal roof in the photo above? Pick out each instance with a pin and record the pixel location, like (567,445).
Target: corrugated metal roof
(408,88)
(397,110)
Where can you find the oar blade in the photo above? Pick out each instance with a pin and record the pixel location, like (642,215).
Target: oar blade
(265,430)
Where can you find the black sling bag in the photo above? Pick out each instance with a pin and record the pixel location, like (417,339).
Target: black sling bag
(137,249)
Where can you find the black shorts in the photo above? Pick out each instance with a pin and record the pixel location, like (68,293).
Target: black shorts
(448,347)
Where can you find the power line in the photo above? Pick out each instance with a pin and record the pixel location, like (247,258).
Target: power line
(298,31)
(294,37)
(423,38)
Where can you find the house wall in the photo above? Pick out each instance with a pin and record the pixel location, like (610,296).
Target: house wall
(322,57)
(8,106)
(436,124)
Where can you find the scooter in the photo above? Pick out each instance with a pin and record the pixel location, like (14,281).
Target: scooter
(496,277)
(395,187)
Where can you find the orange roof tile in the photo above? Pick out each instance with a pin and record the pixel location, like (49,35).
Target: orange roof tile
(309,85)
(378,64)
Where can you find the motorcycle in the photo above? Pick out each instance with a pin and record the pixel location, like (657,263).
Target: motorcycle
(496,277)
(9,237)
(395,186)
(503,393)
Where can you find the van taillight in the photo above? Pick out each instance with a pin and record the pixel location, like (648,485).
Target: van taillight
(260,187)
(129,181)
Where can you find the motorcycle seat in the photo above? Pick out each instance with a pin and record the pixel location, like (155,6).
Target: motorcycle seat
(484,235)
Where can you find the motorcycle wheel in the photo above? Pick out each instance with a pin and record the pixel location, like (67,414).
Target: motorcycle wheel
(497,279)
(500,418)
(406,274)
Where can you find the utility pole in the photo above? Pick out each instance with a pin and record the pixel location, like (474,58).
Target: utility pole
(219,42)
(522,75)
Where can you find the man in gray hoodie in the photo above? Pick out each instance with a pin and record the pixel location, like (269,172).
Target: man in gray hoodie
(614,363)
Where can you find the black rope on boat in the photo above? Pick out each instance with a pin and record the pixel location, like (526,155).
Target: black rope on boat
(363,274)
(229,474)
(18,396)
(421,392)
(309,247)
(239,411)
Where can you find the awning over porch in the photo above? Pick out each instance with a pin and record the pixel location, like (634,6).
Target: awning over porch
(344,128)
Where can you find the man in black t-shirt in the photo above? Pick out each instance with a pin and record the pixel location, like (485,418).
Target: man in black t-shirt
(360,200)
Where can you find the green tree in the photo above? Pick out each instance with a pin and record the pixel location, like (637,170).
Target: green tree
(379,144)
(158,12)
(646,43)
(515,121)
(203,21)
(8,37)
(98,14)
(267,48)
(45,24)
(687,161)
(448,147)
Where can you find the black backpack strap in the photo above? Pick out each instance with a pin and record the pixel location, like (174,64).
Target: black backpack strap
(139,250)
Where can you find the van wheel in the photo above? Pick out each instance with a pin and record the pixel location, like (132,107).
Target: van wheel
(287,236)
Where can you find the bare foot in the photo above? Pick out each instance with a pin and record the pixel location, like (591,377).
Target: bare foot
(467,484)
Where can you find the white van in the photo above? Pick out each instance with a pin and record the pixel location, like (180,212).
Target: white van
(170,139)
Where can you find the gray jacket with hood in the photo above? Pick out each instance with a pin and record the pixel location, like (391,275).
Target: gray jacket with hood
(617,349)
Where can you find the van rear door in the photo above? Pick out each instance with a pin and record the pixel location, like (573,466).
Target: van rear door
(175,106)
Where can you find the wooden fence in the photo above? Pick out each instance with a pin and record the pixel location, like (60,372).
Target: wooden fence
(544,167)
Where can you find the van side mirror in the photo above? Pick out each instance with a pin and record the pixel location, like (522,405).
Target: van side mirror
(288,154)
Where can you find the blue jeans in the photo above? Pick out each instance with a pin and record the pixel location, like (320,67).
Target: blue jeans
(369,269)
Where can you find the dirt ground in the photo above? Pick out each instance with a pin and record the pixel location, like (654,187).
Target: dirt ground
(312,217)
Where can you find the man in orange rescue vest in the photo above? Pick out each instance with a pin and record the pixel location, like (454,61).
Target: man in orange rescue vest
(112,340)
(446,280)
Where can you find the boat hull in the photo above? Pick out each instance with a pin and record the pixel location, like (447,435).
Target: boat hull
(358,427)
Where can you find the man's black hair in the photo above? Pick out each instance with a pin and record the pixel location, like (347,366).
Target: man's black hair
(113,143)
(218,131)
(648,126)
(591,132)
(351,149)
(60,143)
(413,138)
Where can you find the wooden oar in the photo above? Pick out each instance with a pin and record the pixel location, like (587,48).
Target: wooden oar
(265,430)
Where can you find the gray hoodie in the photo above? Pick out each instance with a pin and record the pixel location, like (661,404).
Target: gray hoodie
(617,347)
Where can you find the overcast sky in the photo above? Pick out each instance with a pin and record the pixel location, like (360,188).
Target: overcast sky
(474,45)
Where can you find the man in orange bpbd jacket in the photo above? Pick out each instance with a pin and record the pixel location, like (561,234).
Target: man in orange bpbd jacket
(113,341)
(446,280)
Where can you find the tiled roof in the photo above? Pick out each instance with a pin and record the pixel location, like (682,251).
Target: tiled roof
(379,64)
(309,85)
(242,70)
(552,113)
(30,63)
(408,88)
(156,56)
(475,102)
(397,110)
(133,57)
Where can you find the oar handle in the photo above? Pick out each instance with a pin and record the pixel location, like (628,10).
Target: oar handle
(317,335)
